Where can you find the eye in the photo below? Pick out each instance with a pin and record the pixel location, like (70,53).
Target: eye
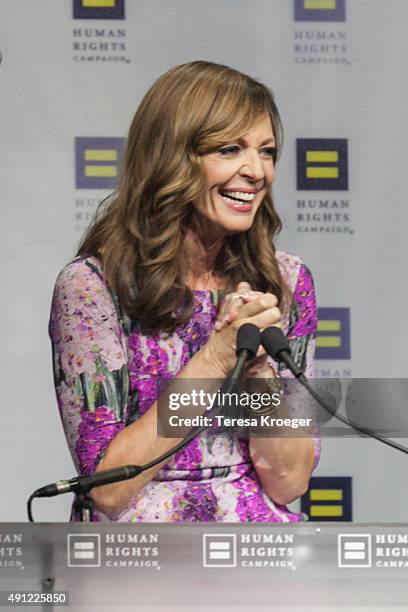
(230,150)
(271,152)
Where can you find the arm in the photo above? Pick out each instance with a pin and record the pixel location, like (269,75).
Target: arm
(92,380)
(284,464)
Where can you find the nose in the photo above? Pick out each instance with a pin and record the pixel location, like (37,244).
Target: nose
(252,166)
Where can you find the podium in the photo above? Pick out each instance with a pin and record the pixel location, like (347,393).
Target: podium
(204,566)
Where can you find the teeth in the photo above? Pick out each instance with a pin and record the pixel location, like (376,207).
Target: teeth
(240,195)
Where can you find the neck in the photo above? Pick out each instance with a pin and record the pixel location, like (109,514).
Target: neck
(200,254)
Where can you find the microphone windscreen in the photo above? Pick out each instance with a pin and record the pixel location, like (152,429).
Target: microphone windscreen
(274,341)
(248,338)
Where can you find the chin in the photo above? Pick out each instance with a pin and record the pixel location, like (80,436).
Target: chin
(237,227)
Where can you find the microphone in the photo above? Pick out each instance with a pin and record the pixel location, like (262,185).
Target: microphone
(277,346)
(247,344)
(248,341)
(83,484)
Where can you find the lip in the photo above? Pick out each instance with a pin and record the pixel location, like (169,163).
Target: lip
(241,208)
(237,189)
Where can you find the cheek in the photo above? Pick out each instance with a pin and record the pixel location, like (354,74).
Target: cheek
(270,174)
(219,174)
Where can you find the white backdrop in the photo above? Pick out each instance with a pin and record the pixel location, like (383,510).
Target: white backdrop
(342,78)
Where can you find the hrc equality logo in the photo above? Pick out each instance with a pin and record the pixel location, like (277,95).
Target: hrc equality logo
(99,9)
(97,162)
(322,164)
(333,333)
(328,499)
(320,10)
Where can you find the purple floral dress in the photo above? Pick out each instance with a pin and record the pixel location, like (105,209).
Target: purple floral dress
(107,374)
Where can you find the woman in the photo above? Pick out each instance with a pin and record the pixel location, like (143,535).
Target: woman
(192,220)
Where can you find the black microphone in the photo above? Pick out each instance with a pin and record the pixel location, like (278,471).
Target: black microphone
(277,346)
(248,341)
(247,344)
(83,484)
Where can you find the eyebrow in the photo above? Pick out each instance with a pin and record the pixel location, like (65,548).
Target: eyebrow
(271,140)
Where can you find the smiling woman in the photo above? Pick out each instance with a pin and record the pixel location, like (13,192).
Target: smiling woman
(175,151)
(177,260)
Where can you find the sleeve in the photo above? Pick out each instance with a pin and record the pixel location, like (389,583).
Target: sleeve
(301,333)
(303,321)
(89,362)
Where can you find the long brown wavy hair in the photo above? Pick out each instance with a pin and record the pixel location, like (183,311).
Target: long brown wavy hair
(138,236)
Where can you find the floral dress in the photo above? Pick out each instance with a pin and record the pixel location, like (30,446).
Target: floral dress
(108,373)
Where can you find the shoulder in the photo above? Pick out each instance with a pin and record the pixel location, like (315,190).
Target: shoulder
(293,269)
(81,281)
(80,290)
(81,272)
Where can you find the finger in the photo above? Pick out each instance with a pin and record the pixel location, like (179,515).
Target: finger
(225,320)
(249,296)
(225,305)
(233,302)
(227,311)
(234,305)
(243,286)
(258,304)
(269,316)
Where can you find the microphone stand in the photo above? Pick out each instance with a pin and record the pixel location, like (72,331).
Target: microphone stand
(83,505)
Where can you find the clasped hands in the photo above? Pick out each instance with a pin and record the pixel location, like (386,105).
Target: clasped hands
(237,308)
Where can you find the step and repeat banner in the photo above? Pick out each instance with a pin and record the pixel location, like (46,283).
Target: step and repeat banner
(72,74)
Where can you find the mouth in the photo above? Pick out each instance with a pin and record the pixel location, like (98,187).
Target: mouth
(237,197)
(239,201)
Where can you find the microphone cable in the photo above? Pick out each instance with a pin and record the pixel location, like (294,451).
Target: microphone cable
(248,342)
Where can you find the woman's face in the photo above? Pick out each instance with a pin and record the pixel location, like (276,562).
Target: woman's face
(238,176)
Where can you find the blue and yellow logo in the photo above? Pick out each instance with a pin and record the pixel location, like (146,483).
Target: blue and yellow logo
(328,499)
(333,333)
(320,10)
(97,162)
(99,9)
(322,164)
